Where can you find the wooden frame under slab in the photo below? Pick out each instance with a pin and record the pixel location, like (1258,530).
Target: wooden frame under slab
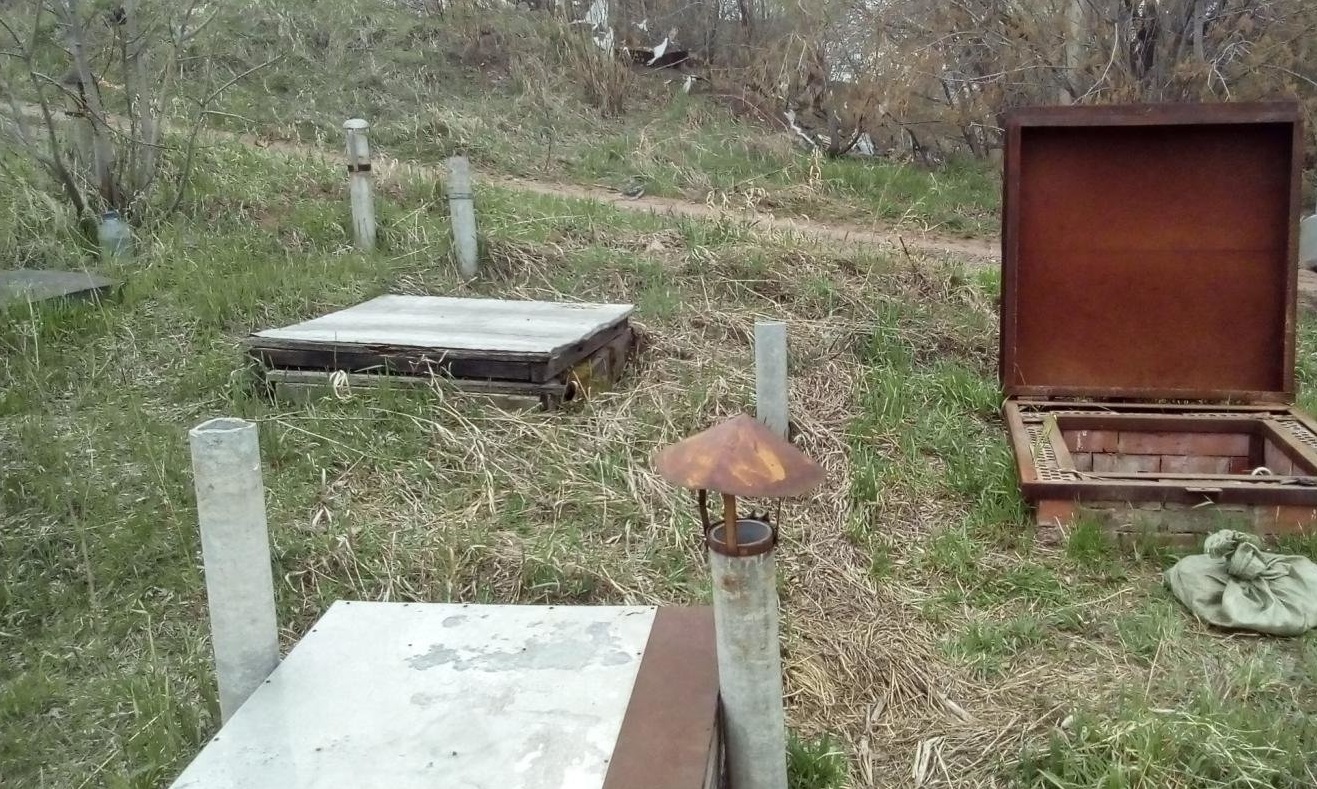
(595,373)
(533,351)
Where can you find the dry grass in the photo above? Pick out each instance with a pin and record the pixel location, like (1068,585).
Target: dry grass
(923,629)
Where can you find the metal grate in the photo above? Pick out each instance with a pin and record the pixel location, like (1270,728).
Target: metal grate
(1044,455)
(1298,430)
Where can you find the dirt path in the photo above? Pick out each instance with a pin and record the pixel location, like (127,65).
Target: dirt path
(979,251)
(975,251)
(883,235)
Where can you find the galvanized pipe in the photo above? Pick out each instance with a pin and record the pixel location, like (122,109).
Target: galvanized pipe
(749,657)
(235,549)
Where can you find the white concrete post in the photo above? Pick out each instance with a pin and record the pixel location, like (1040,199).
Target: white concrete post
(1308,243)
(771,376)
(1074,31)
(462,212)
(363,202)
(235,548)
(750,660)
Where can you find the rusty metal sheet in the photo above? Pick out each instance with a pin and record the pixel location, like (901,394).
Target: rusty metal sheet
(1149,252)
(739,457)
(669,732)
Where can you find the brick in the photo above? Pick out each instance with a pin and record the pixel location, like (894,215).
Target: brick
(1215,444)
(1195,464)
(1104,505)
(1083,460)
(1055,512)
(1091,440)
(1126,464)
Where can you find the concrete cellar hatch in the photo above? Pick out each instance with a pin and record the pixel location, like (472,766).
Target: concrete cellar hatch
(405,695)
(550,352)
(1148,312)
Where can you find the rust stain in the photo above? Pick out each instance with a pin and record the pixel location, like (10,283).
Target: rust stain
(1107,292)
(739,457)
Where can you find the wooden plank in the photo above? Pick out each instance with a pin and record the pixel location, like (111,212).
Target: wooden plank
(403,361)
(396,361)
(437,323)
(372,380)
(606,354)
(302,386)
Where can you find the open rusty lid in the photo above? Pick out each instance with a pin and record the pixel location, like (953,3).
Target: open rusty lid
(1150,252)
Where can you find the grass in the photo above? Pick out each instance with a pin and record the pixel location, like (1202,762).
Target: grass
(505,89)
(928,638)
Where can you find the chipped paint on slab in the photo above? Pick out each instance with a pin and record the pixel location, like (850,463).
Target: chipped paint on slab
(424,695)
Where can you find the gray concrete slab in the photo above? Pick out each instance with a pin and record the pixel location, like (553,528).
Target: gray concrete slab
(24,286)
(437,695)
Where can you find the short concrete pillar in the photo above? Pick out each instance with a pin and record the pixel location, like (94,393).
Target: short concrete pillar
(359,183)
(749,657)
(743,457)
(771,383)
(235,549)
(1308,243)
(462,214)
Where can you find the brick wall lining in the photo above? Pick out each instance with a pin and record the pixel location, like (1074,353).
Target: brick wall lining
(1139,451)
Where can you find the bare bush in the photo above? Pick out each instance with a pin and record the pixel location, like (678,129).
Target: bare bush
(89,88)
(934,76)
(605,78)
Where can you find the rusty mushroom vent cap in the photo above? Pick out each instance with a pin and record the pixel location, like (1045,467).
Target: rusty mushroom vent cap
(739,457)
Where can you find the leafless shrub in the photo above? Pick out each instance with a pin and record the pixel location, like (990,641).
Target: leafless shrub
(88,90)
(606,79)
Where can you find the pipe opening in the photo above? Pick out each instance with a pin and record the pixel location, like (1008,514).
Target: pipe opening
(223,424)
(753,537)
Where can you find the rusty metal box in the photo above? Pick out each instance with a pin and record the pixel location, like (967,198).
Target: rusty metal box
(1149,272)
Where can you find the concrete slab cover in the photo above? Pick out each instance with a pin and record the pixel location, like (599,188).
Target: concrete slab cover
(439,322)
(405,695)
(19,286)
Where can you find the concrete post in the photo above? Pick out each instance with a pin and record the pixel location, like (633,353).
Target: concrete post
(1073,50)
(359,188)
(749,658)
(1308,243)
(771,376)
(462,213)
(235,548)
